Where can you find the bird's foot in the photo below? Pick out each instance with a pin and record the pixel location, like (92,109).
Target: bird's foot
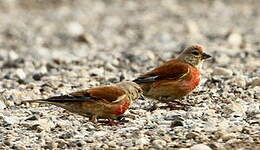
(153,107)
(175,105)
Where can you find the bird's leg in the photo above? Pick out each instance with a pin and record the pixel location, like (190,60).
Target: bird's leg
(153,107)
(173,104)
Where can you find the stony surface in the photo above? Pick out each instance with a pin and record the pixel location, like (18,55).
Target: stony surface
(59,46)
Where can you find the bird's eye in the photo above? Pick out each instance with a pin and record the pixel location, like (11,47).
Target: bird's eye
(195,53)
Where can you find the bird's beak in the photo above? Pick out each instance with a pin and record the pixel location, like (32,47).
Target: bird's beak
(205,56)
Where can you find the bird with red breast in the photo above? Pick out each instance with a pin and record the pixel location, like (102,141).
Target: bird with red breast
(174,78)
(103,102)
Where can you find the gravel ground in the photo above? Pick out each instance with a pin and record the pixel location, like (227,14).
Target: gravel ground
(54,47)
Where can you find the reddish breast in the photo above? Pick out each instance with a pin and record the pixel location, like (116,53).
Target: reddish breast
(119,110)
(195,77)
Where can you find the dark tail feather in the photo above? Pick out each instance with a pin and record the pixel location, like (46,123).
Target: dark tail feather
(145,80)
(52,100)
(35,101)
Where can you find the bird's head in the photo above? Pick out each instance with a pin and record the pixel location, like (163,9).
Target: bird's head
(194,55)
(134,90)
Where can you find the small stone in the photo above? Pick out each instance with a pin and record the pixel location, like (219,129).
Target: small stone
(237,109)
(19,146)
(100,134)
(10,120)
(9,103)
(87,38)
(127,143)
(254,82)
(2,104)
(239,81)
(142,141)
(222,71)
(20,74)
(177,121)
(46,124)
(160,144)
(192,135)
(74,28)
(200,147)
(12,55)
(235,39)
(38,76)
(96,72)
(229,136)
(32,117)
(112,144)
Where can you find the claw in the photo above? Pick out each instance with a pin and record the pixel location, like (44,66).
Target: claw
(153,107)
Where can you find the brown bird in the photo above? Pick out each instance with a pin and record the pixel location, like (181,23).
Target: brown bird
(106,102)
(176,77)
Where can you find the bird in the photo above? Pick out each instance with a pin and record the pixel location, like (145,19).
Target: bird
(175,78)
(102,102)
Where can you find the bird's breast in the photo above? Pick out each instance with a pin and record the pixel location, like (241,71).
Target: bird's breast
(192,81)
(120,109)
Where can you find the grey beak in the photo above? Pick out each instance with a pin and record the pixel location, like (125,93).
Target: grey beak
(205,56)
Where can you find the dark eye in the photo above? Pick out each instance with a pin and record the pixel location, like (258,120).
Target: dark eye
(195,53)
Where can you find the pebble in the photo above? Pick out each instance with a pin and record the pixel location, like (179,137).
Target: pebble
(10,120)
(100,133)
(240,81)
(235,39)
(2,104)
(222,71)
(143,141)
(19,146)
(228,136)
(127,143)
(200,147)
(45,124)
(12,55)
(160,144)
(75,28)
(254,82)
(20,74)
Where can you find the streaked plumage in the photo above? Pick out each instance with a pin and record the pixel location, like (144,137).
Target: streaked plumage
(176,77)
(108,102)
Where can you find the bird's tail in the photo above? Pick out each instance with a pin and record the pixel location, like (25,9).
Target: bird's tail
(35,101)
(145,79)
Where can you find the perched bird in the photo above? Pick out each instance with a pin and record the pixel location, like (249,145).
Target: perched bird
(106,102)
(176,77)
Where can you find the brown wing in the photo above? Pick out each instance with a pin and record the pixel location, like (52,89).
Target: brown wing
(171,70)
(107,93)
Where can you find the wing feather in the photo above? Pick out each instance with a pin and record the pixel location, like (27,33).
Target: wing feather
(102,93)
(171,70)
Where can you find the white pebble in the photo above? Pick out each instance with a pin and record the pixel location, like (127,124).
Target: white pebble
(74,28)
(159,144)
(200,147)
(255,82)
(235,39)
(100,134)
(222,71)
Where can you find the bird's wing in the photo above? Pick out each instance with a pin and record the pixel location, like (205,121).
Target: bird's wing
(171,70)
(103,93)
